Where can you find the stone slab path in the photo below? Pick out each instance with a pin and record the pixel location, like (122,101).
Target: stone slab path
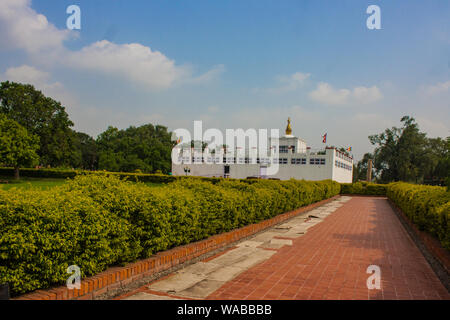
(324,254)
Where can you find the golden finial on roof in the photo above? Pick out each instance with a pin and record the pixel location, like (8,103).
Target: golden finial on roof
(288,128)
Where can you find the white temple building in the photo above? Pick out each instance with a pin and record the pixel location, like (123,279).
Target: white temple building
(291,158)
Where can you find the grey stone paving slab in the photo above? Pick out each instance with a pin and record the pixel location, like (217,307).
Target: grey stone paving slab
(201,289)
(148,296)
(225,274)
(251,260)
(201,268)
(250,243)
(230,259)
(239,251)
(269,245)
(286,226)
(266,236)
(280,231)
(281,241)
(314,212)
(294,234)
(177,282)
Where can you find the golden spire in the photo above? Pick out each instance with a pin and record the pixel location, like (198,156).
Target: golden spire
(288,128)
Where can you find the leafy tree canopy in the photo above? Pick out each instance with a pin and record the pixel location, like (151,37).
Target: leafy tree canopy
(87,147)
(17,146)
(406,154)
(147,148)
(44,117)
(360,170)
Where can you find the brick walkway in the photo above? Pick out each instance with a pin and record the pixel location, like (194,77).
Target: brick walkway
(325,256)
(331,259)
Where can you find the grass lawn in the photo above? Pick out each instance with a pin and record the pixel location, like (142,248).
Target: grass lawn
(25,182)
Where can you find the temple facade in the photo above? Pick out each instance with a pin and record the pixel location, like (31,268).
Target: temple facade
(288,157)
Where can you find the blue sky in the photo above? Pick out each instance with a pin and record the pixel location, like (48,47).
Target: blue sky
(232,64)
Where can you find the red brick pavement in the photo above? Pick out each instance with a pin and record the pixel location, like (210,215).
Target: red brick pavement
(331,259)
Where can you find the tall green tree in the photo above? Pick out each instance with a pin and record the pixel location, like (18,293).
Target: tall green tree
(437,164)
(406,154)
(87,147)
(147,148)
(44,117)
(360,170)
(17,146)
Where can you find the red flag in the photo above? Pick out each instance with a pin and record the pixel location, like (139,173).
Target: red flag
(324,138)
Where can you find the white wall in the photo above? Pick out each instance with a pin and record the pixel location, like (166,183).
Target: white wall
(287,171)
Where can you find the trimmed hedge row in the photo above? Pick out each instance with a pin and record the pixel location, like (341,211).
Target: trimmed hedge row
(40,173)
(98,220)
(426,206)
(364,188)
(64,173)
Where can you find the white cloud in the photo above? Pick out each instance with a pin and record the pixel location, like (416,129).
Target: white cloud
(208,76)
(326,94)
(41,80)
(300,77)
(436,89)
(24,28)
(286,83)
(30,75)
(133,61)
(433,128)
(137,63)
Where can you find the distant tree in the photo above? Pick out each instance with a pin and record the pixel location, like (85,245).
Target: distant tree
(44,117)
(360,170)
(194,144)
(355,174)
(87,147)
(17,146)
(147,148)
(406,154)
(437,165)
(197,144)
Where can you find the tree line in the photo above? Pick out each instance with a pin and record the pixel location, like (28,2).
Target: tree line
(35,130)
(407,154)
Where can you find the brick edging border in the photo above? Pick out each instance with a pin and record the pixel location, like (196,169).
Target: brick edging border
(437,256)
(115,277)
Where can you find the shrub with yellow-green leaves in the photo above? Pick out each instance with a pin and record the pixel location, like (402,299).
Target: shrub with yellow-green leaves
(43,232)
(96,220)
(426,206)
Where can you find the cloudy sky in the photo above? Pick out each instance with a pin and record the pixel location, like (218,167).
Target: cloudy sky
(237,64)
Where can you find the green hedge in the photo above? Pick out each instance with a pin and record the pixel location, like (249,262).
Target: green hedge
(40,173)
(65,173)
(426,206)
(364,188)
(98,220)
